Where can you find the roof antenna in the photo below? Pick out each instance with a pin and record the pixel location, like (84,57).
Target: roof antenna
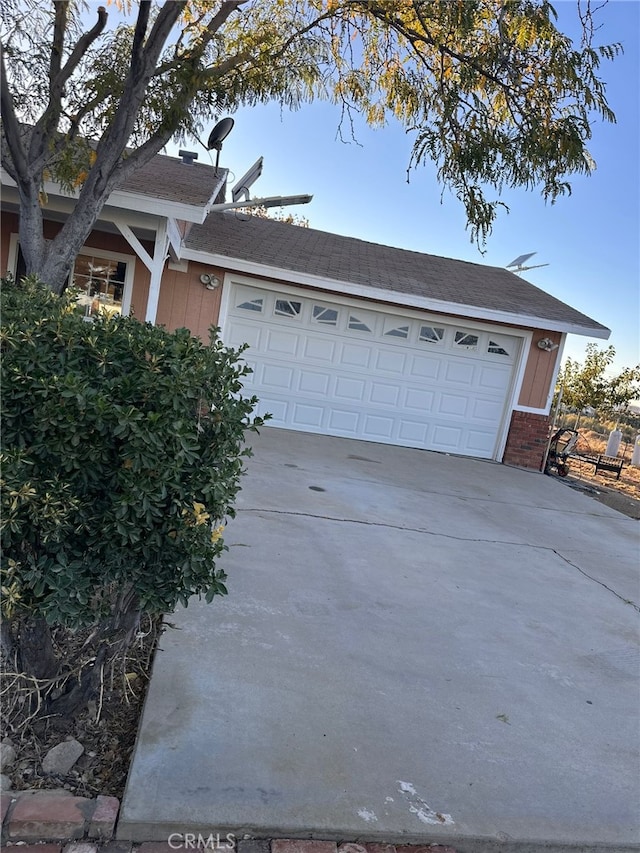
(521,260)
(218,135)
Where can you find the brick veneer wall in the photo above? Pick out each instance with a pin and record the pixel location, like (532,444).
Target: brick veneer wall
(527,440)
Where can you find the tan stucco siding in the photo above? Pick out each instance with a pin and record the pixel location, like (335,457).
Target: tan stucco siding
(539,372)
(186,303)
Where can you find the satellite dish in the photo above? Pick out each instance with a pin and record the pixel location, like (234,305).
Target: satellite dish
(220,133)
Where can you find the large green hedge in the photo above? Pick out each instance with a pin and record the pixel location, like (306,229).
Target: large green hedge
(122,452)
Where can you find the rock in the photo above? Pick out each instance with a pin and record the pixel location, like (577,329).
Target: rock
(7,754)
(5,782)
(59,760)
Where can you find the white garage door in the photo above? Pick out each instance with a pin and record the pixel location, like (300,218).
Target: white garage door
(338,369)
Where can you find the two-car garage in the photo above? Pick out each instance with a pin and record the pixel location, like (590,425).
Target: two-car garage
(332,365)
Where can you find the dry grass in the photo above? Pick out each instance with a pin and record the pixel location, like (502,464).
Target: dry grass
(591,443)
(622,495)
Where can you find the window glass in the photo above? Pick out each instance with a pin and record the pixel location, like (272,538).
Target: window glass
(398,331)
(326,316)
(357,324)
(431,334)
(496,348)
(101,284)
(287,308)
(251,305)
(466,340)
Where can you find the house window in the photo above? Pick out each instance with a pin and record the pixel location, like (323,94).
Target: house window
(465,340)
(287,308)
(357,324)
(496,348)
(326,316)
(401,331)
(100,282)
(252,304)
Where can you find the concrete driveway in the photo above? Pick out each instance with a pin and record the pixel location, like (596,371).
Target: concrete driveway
(415,647)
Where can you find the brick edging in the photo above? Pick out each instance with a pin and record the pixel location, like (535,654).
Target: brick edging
(38,816)
(283,845)
(58,822)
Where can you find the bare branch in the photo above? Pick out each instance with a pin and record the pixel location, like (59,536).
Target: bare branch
(48,121)
(16,163)
(57,47)
(83,44)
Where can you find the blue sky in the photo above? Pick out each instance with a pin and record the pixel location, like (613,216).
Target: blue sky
(590,240)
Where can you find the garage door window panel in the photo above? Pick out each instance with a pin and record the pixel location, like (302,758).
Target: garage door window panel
(393,329)
(256,305)
(324,316)
(359,323)
(466,340)
(431,334)
(287,308)
(495,348)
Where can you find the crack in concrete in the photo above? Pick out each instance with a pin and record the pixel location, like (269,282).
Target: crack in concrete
(591,578)
(444,536)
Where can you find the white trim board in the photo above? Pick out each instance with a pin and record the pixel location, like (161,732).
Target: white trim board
(386,296)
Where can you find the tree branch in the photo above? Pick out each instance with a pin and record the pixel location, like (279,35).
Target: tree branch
(48,121)
(414,36)
(137,47)
(16,165)
(82,45)
(57,46)
(196,53)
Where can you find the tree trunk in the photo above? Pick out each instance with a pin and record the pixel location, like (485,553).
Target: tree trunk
(35,654)
(65,683)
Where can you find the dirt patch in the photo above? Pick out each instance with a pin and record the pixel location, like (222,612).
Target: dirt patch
(107,729)
(611,497)
(621,494)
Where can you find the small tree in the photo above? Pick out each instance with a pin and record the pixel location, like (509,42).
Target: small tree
(623,388)
(586,385)
(122,451)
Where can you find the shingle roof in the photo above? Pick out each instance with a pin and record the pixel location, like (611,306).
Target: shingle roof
(388,269)
(170,179)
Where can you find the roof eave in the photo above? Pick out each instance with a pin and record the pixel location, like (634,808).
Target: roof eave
(395,297)
(138,202)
